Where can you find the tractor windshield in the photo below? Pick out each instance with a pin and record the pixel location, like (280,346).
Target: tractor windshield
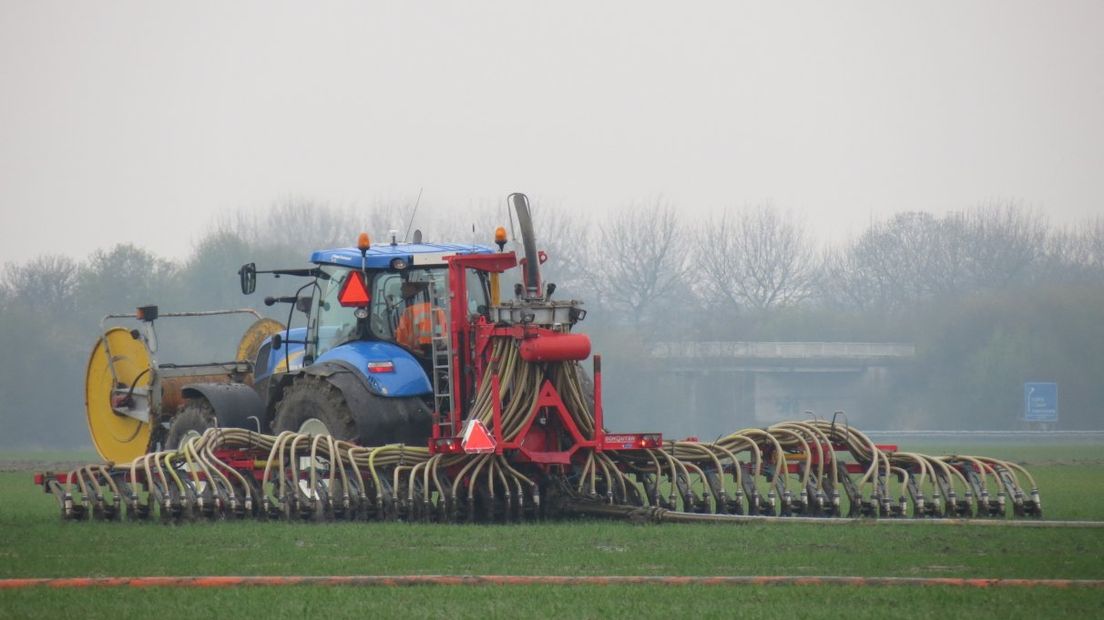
(336,323)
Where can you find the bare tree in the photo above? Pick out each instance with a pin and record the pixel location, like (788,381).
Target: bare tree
(299,226)
(46,283)
(1002,243)
(844,282)
(291,223)
(759,259)
(914,257)
(1074,254)
(1093,234)
(123,278)
(644,256)
(889,266)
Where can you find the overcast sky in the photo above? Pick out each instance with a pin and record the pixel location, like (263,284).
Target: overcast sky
(141,121)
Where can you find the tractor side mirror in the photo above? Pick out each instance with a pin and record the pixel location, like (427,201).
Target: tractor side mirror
(248,274)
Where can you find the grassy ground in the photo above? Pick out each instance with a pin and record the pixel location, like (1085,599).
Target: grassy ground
(556,602)
(34,543)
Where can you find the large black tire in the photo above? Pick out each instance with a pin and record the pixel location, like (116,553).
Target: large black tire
(313,397)
(371,421)
(196,416)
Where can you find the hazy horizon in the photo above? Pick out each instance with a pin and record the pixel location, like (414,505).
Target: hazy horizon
(141,122)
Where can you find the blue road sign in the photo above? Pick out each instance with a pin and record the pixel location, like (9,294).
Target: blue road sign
(1040,402)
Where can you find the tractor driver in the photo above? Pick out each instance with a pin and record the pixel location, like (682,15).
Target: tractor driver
(415,329)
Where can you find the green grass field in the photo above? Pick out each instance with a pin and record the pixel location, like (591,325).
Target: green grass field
(35,543)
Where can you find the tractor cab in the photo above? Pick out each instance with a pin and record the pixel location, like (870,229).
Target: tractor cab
(406,303)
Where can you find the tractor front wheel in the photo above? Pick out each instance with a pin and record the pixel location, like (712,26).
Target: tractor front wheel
(313,405)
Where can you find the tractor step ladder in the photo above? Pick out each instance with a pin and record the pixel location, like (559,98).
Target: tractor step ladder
(441,352)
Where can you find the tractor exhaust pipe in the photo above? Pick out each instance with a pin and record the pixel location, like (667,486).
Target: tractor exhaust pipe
(529,240)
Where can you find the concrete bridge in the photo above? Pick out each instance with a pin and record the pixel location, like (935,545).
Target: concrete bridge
(765,382)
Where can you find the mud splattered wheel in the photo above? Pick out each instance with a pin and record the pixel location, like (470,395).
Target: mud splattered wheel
(313,405)
(192,421)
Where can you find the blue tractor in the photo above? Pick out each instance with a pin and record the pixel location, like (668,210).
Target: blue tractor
(363,368)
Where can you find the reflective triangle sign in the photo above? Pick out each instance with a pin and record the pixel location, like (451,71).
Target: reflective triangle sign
(354,292)
(476,439)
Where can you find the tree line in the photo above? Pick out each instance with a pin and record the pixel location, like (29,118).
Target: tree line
(992,296)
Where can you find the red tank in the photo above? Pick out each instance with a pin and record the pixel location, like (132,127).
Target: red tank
(555,348)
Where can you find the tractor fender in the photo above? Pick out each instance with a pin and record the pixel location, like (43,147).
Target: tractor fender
(406,378)
(288,358)
(234,404)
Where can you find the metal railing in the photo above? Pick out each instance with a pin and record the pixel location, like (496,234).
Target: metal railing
(1018,435)
(784,350)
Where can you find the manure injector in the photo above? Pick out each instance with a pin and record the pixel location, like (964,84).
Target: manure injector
(415,392)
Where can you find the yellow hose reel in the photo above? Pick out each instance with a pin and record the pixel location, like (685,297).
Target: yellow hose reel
(122,438)
(118,438)
(253,337)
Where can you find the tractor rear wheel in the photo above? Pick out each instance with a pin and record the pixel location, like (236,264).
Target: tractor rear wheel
(315,406)
(196,417)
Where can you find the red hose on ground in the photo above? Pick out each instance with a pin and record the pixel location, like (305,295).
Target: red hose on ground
(526,580)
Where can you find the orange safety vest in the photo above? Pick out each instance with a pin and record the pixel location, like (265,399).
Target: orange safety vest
(415,328)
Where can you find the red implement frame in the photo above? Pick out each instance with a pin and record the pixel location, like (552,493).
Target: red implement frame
(470,344)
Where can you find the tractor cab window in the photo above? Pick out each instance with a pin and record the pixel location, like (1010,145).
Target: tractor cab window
(409,307)
(479,295)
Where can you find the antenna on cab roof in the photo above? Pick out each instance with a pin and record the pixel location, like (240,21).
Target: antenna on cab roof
(412,214)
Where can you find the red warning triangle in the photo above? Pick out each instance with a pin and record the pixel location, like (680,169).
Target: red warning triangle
(354,292)
(476,439)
